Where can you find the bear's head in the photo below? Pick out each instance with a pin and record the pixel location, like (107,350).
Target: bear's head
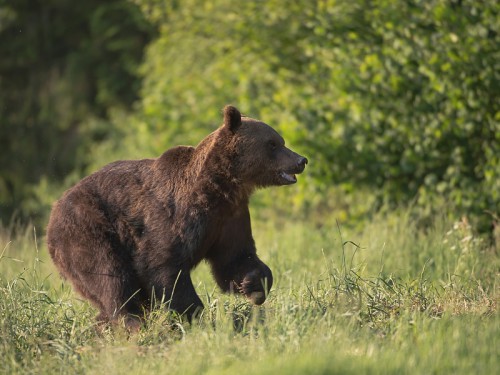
(261,156)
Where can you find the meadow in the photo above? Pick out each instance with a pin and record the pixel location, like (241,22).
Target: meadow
(388,297)
(394,104)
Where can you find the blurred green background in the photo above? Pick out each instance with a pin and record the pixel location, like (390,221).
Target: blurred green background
(395,103)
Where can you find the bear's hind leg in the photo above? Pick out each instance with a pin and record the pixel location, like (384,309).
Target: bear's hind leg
(87,250)
(100,274)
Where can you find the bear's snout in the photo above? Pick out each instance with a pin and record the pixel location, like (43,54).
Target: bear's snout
(292,164)
(302,162)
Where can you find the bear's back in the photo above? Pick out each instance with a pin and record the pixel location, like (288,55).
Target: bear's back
(115,179)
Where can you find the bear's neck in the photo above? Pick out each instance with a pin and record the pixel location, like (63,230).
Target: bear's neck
(201,174)
(212,173)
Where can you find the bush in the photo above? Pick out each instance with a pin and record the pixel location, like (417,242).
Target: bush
(393,97)
(397,99)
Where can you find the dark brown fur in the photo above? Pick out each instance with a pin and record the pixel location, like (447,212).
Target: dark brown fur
(135,229)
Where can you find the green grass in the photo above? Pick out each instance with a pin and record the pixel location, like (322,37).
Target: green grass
(389,298)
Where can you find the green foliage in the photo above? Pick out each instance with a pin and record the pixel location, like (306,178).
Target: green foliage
(390,299)
(392,102)
(396,98)
(63,64)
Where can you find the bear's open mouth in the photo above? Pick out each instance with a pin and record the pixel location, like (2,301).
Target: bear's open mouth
(289,178)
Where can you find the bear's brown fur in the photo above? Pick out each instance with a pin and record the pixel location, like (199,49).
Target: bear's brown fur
(135,229)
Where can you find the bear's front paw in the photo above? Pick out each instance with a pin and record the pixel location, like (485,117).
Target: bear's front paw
(256,285)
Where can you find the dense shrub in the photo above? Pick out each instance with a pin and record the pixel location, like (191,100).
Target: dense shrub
(397,97)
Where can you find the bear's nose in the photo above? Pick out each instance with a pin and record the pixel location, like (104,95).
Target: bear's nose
(302,161)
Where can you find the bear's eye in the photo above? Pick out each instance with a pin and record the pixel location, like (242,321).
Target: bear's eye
(273,145)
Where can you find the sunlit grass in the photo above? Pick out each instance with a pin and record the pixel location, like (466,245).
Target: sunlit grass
(392,298)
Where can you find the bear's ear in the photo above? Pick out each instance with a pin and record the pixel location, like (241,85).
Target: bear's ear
(232,118)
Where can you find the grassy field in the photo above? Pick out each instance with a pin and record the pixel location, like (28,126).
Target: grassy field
(389,298)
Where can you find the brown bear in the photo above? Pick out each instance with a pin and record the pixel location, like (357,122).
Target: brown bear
(134,230)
